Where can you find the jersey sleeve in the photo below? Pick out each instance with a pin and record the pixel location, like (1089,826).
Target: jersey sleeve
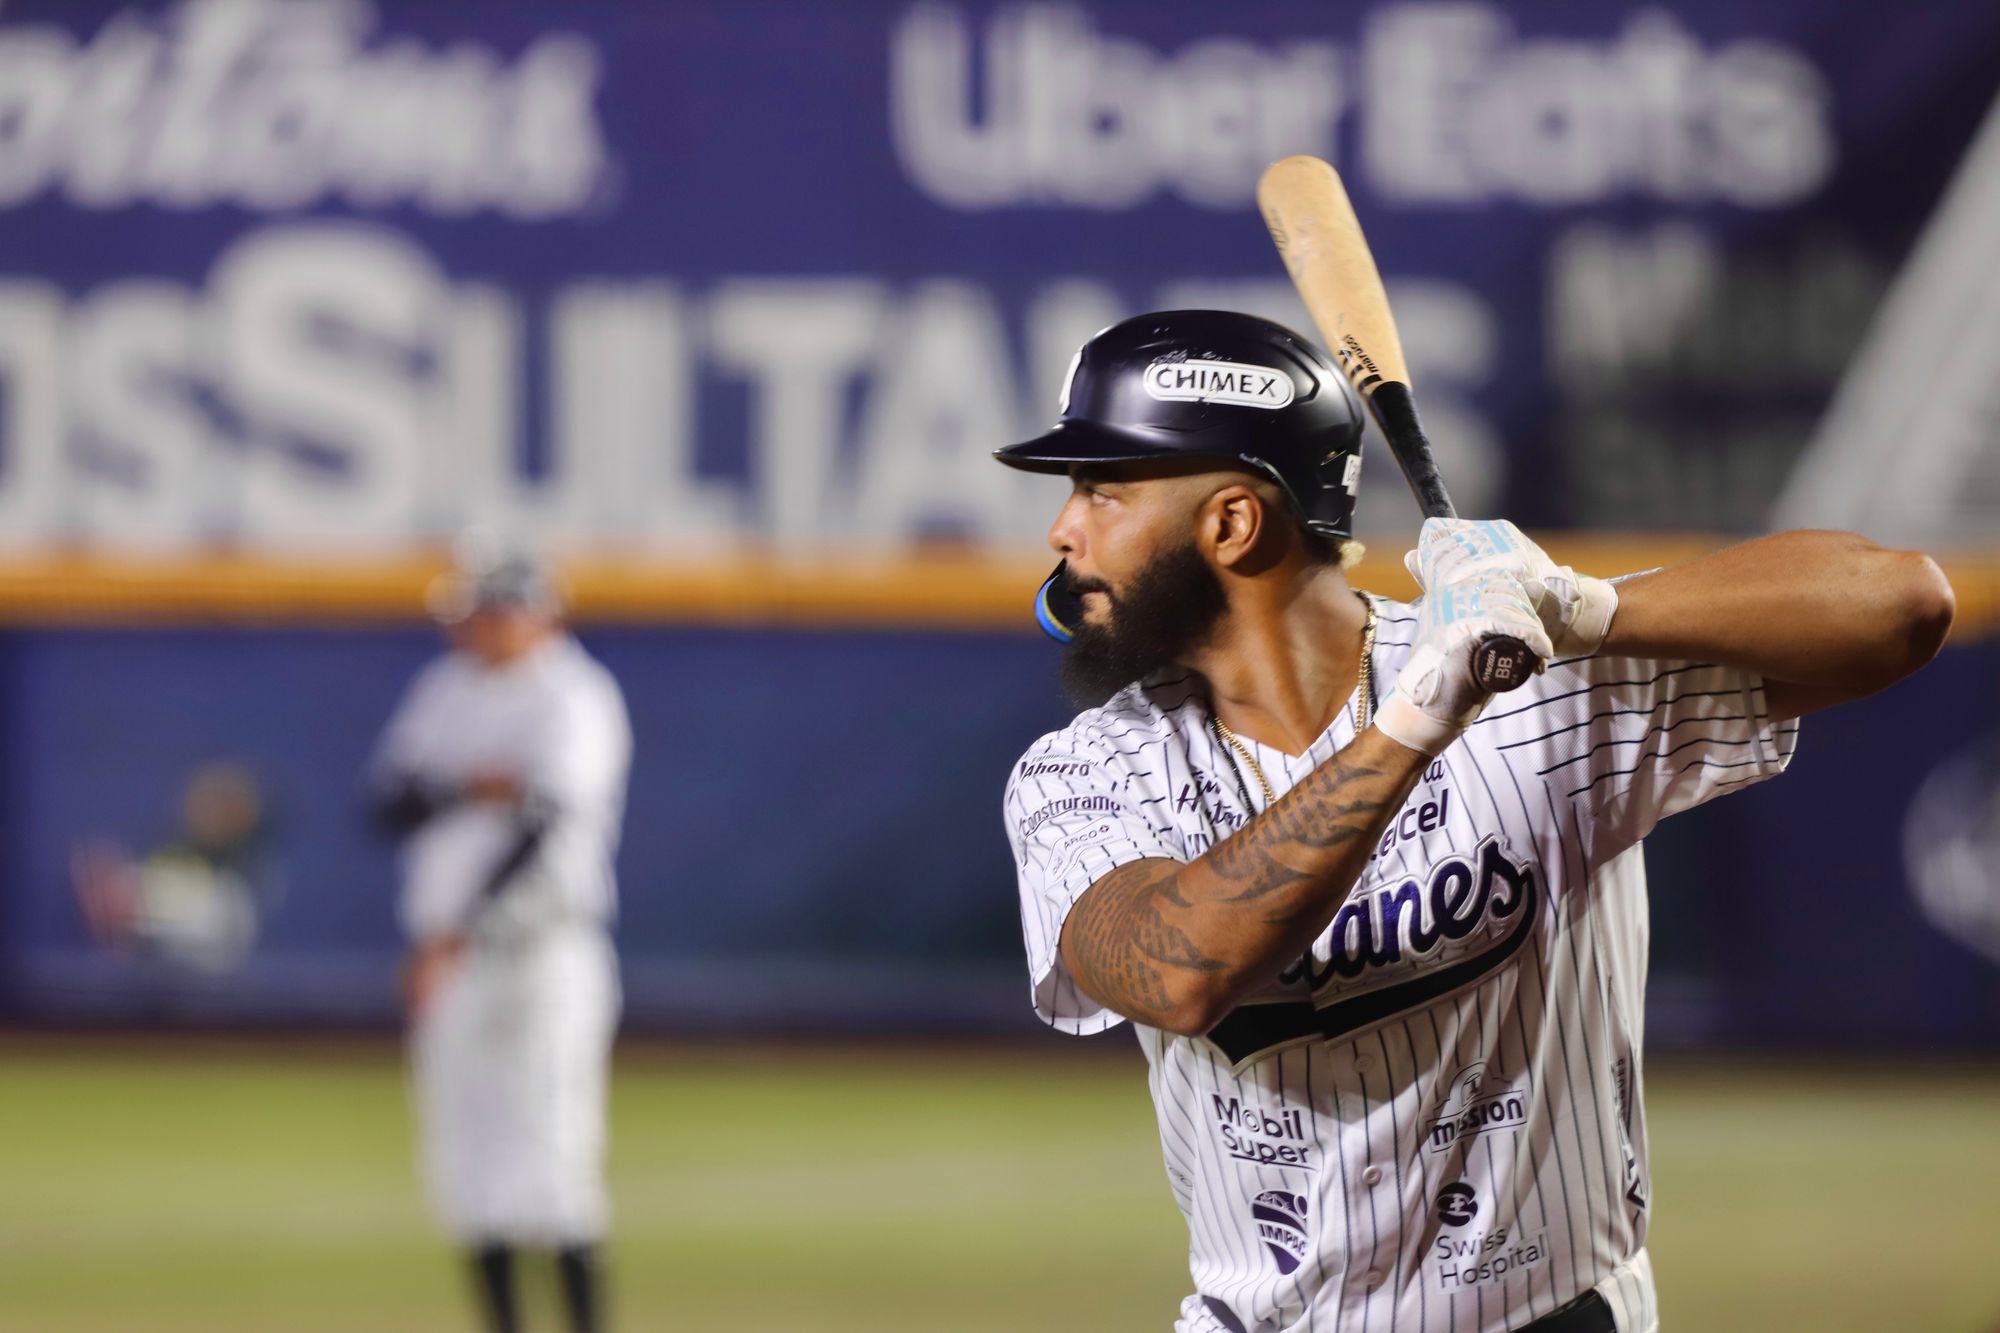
(582,746)
(1070,823)
(402,749)
(1634,741)
(574,769)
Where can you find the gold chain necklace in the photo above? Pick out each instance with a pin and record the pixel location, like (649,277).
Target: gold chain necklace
(1364,708)
(1223,733)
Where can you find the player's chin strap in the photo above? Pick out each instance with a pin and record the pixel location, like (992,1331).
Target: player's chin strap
(1058,610)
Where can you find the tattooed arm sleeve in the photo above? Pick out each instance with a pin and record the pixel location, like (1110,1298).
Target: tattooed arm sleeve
(1177,946)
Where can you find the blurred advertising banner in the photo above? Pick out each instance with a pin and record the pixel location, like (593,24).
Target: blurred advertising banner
(725,304)
(325,277)
(1923,467)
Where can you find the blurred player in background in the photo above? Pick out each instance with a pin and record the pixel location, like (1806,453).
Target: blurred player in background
(503,771)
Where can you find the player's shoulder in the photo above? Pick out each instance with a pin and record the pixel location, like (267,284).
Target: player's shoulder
(1143,713)
(442,673)
(589,665)
(569,666)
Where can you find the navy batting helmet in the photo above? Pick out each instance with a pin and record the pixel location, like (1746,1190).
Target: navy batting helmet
(1205,384)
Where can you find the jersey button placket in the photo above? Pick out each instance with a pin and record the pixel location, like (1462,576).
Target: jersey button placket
(1372,1176)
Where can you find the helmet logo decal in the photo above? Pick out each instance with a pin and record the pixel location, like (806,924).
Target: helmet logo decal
(1219,382)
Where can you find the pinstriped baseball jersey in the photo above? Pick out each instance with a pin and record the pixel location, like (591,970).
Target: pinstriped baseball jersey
(1432,1122)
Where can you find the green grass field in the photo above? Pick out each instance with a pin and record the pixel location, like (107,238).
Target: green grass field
(221,1188)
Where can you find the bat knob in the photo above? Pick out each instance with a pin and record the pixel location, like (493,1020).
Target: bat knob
(1502,662)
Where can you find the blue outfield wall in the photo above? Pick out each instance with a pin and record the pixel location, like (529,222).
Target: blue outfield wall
(814,839)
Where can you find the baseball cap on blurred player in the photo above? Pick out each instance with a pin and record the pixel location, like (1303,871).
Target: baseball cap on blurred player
(510,582)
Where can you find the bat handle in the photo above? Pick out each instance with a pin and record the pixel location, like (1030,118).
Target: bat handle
(1500,662)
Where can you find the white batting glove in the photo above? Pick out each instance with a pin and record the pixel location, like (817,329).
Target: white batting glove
(1449,549)
(1436,696)
(1574,608)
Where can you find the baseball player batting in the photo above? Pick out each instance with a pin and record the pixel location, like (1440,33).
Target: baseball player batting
(1382,935)
(504,771)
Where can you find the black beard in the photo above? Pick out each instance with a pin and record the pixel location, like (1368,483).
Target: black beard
(1170,607)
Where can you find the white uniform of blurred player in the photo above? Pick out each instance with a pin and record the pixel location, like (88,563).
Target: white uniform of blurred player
(504,769)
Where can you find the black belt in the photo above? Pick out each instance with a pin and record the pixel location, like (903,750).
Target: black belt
(1588,1313)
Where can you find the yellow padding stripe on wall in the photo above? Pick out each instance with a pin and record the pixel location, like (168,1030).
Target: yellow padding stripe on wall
(948,587)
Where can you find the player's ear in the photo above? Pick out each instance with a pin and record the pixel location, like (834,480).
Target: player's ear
(1234,524)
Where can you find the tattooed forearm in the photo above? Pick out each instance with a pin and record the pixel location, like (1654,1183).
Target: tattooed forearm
(1117,942)
(1257,872)
(1178,945)
(1333,805)
(1322,812)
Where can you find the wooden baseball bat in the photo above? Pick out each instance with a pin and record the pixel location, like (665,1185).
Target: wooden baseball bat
(1320,240)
